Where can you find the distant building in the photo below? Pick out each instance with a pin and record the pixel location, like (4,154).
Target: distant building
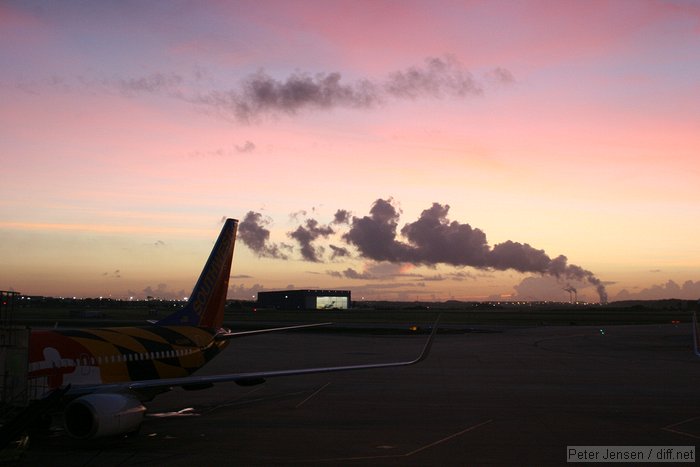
(305,299)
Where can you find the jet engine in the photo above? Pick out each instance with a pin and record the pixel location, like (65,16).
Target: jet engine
(98,415)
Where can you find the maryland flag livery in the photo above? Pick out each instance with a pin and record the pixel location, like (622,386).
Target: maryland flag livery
(104,375)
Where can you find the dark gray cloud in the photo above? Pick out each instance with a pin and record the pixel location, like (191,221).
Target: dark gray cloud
(339,252)
(262,94)
(689,290)
(519,256)
(500,76)
(434,239)
(248,146)
(162,291)
(436,78)
(254,234)
(341,216)
(241,292)
(298,214)
(305,235)
(375,235)
(383,270)
(153,83)
(350,273)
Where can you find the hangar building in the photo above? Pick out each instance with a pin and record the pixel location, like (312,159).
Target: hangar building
(305,299)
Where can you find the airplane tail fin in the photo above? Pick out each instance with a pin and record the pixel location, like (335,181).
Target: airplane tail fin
(205,306)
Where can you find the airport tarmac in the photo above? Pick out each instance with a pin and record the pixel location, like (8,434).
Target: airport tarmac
(516,397)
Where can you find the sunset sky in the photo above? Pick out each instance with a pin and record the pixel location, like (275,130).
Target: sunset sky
(405,150)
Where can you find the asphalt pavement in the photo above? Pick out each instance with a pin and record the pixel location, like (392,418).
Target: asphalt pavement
(516,397)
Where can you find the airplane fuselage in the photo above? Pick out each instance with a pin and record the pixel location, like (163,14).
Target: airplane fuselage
(99,378)
(122,354)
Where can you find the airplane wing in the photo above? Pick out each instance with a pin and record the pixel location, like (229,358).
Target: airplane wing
(232,335)
(244,379)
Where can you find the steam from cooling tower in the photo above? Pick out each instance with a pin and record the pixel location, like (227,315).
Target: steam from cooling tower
(434,239)
(573,297)
(430,240)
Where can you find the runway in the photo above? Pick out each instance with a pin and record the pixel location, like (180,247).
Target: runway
(519,396)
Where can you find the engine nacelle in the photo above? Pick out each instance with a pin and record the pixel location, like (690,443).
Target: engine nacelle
(98,415)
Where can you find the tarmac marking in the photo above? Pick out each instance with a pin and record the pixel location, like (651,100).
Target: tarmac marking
(679,432)
(415,451)
(454,435)
(313,395)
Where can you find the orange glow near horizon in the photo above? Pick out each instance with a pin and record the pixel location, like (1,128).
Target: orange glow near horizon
(570,127)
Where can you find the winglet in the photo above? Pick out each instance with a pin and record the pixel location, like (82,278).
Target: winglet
(429,343)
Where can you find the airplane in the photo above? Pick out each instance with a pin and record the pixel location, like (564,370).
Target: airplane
(103,376)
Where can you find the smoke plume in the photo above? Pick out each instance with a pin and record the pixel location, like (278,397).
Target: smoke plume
(434,239)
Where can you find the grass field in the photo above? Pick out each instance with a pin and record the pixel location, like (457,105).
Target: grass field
(238,317)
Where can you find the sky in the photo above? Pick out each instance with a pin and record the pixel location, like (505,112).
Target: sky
(404,150)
